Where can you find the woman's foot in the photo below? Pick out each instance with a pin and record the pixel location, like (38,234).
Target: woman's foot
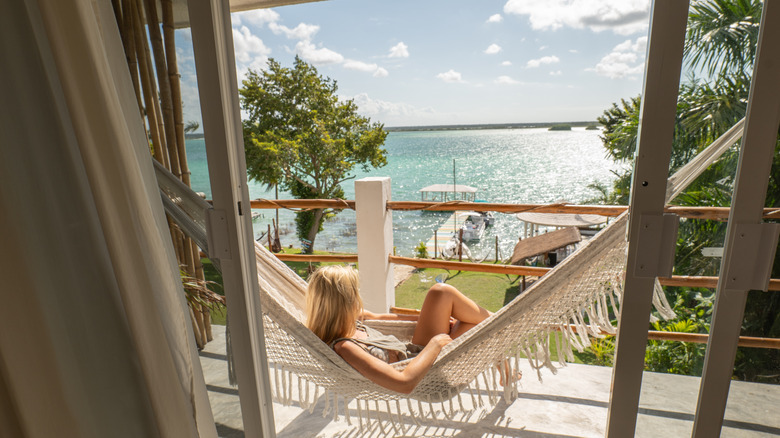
(505,370)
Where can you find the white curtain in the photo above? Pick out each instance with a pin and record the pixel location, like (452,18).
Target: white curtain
(95,337)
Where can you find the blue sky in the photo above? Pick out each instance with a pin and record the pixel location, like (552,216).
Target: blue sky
(427,62)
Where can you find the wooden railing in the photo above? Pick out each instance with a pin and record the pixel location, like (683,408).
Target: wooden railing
(713,213)
(675,280)
(699,338)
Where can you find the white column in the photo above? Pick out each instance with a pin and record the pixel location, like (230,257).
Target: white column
(375,243)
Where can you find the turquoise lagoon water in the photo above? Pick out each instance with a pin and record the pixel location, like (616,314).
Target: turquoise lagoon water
(505,165)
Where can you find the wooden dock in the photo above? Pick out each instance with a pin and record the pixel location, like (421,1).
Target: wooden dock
(444,233)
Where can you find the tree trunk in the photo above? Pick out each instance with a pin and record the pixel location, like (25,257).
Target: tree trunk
(319,216)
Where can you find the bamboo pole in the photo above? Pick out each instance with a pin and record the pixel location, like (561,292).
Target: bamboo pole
(466,266)
(198,337)
(193,261)
(128,42)
(149,87)
(166,101)
(603,210)
(175,86)
(675,280)
(435,244)
(335,258)
(170,154)
(119,13)
(460,245)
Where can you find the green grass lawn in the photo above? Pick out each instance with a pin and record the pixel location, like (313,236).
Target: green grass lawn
(491,291)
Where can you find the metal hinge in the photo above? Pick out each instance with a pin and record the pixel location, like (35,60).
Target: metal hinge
(217,234)
(750,256)
(657,241)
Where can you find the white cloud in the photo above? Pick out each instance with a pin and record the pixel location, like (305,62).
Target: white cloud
(542,48)
(495,18)
(623,17)
(574,51)
(625,60)
(249,50)
(257,17)
(506,63)
(543,60)
(310,53)
(556,73)
(505,80)
(301,32)
(399,50)
(493,49)
(451,76)
(379,72)
(350,64)
(391,112)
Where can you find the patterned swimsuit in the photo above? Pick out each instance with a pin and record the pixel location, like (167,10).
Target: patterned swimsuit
(380,345)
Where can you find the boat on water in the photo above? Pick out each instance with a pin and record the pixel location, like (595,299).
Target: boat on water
(474,224)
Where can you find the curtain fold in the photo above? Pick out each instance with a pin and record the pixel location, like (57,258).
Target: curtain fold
(95,337)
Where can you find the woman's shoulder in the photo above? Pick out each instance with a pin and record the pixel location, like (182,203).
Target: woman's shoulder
(346,345)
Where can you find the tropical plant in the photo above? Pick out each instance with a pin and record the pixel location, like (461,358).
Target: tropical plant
(421,250)
(191,127)
(722,36)
(299,135)
(199,292)
(675,357)
(721,41)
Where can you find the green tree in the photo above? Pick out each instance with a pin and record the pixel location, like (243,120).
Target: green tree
(299,135)
(722,36)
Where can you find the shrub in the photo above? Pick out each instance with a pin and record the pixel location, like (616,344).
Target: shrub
(421,251)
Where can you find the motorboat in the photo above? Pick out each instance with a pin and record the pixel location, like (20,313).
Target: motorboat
(474,224)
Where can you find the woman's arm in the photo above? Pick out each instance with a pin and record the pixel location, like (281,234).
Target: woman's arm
(388,316)
(384,374)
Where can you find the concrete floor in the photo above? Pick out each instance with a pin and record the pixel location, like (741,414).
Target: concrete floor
(572,403)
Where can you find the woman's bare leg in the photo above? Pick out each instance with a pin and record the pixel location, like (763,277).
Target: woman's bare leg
(442,302)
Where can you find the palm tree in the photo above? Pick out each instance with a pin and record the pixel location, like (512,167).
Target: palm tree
(722,36)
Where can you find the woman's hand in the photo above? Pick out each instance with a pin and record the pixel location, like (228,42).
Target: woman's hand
(385,375)
(441,340)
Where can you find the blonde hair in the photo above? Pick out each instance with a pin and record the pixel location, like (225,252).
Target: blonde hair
(333,302)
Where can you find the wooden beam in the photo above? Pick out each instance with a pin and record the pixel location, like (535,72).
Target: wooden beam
(646,227)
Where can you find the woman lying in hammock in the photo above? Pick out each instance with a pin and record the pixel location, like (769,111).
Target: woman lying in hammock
(335,311)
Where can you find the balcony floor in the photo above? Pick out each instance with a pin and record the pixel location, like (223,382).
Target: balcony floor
(572,403)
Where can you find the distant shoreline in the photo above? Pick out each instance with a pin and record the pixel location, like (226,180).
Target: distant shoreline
(580,124)
(199,135)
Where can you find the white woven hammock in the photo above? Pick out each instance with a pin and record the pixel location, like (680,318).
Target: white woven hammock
(568,306)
